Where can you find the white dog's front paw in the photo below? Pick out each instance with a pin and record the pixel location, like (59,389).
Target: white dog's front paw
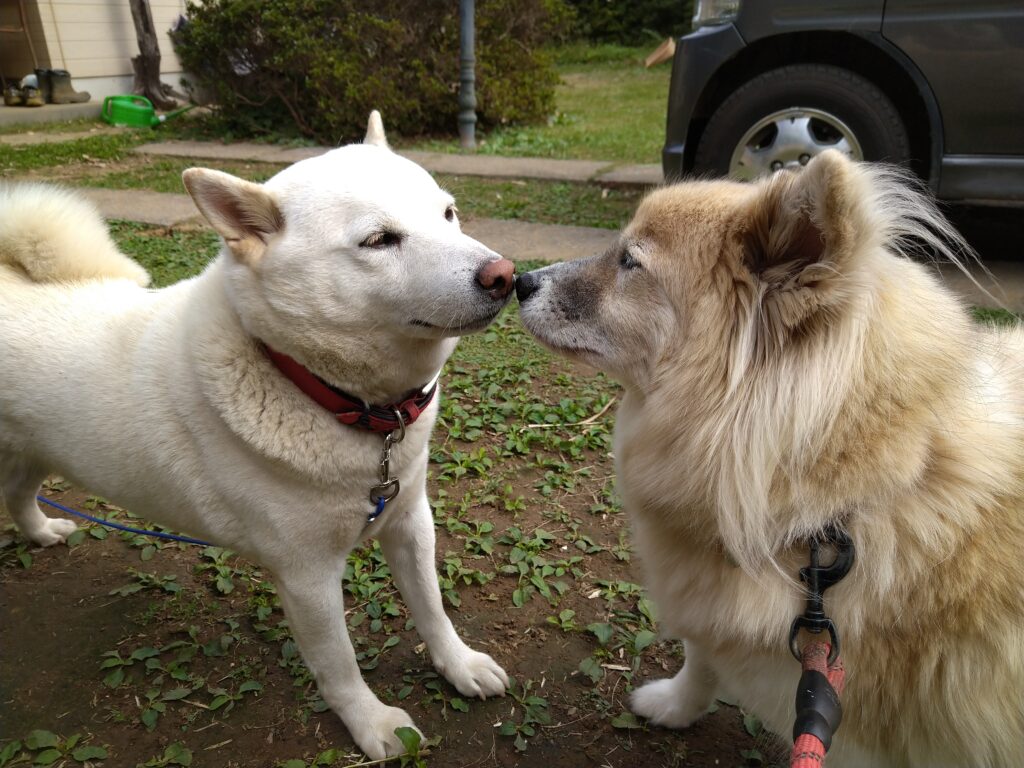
(663,703)
(53,531)
(373,729)
(473,673)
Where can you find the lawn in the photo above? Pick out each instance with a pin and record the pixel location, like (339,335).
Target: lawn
(609,107)
(107,161)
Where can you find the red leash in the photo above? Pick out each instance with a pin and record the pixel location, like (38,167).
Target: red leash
(818,711)
(808,749)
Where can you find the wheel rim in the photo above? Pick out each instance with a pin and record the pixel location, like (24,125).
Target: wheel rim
(789,139)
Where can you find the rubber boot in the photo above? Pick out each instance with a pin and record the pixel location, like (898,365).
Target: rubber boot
(45,85)
(32,96)
(12,96)
(61,90)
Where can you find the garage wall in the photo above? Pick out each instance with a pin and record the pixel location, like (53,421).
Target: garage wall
(93,39)
(15,55)
(96,38)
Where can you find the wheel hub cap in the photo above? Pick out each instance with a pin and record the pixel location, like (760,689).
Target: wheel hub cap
(789,139)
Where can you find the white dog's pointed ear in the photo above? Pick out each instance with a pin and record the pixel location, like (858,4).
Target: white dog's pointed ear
(375,131)
(245,214)
(802,229)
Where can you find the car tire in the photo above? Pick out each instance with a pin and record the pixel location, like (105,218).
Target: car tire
(805,104)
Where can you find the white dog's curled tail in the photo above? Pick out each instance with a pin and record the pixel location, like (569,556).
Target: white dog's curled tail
(53,235)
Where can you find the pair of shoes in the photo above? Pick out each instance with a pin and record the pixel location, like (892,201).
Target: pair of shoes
(29,96)
(55,87)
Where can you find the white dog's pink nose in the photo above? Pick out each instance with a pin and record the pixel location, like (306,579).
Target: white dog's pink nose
(497,277)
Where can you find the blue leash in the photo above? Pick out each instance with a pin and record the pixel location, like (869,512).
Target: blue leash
(172,536)
(118,526)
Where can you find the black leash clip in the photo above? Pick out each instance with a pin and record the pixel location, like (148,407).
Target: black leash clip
(818,578)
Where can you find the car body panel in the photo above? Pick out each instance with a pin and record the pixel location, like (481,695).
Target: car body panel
(760,19)
(698,56)
(972,54)
(972,95)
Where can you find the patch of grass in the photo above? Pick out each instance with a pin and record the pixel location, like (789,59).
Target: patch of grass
(169,256)
(549,202)
(108,147)
(608,107)
(586,52)
(164,174)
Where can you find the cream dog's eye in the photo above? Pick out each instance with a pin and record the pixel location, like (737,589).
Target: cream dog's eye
(381,240)
(628,261)
(450,211)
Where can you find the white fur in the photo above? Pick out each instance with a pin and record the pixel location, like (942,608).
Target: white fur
(164,401)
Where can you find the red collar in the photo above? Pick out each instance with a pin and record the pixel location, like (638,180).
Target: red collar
(348,409)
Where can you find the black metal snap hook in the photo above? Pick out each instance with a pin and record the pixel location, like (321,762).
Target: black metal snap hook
(818,578)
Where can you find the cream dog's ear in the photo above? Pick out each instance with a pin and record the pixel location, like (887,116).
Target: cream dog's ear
(800,238)
(245,214)
(375,131)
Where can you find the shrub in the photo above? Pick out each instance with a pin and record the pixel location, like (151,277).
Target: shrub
(631,22)
(322,65)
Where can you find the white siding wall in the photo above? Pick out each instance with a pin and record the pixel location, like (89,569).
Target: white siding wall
(96,38)
(93,39)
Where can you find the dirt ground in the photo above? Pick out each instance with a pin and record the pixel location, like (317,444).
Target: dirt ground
(60,619)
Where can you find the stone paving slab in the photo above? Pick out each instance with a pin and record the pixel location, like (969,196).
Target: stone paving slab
(212,150)
(649,175)
(520,240)
(437,162)
(49,113)
(507,167)
(163,209)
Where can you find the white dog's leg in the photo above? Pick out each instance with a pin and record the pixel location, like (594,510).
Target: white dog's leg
(679,701)
(408,545)
(18,489)
(314,605)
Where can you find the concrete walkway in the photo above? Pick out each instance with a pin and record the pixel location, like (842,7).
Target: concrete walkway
(521,241)
(595,171)
(49,113)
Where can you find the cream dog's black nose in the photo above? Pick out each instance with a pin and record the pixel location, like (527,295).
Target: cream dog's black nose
(526,285)
(497,277)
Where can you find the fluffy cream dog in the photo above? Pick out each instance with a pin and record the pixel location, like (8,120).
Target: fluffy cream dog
(788,368)
(166,402)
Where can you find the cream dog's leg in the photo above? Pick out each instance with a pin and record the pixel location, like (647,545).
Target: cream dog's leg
(408,544)
(678,701)
(314,605)
(20,484)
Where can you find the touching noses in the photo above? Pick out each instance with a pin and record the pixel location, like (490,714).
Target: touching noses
(525,286)
(497,278)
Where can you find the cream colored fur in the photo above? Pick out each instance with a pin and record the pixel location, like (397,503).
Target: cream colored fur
(788,367)
(165,402)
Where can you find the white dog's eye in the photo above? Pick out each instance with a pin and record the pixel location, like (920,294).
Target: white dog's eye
(628,261)
(381,240)
(450,211)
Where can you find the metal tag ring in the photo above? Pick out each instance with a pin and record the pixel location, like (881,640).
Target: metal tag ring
(387,491)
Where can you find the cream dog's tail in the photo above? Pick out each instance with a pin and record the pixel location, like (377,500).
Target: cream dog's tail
(54,235)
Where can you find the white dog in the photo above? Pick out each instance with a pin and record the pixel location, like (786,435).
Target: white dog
(352,269)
